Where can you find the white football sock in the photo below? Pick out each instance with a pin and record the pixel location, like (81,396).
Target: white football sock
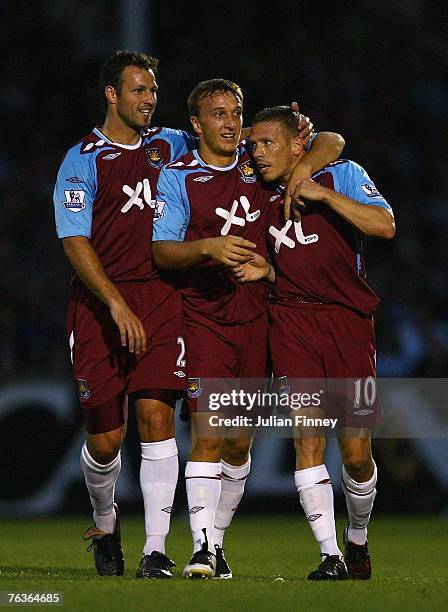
(159,470)
(203,482)
(316,497)
(359,498)
(233,480)
(100,480)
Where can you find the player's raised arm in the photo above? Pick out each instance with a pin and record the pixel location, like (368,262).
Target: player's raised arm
(325,148)
(305,127)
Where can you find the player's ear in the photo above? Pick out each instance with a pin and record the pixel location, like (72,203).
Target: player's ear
(196,125)
(111,94)
(297,145)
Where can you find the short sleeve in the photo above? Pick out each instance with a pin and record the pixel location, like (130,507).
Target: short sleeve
(74,194)
(355,183)
(172,204)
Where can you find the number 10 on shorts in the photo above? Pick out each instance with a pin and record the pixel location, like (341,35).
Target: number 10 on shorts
(365,395)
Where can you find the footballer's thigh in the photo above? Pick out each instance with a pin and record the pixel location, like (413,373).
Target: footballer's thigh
(293,334)
(211,355)
(99,361)
(158,378)
(160,371)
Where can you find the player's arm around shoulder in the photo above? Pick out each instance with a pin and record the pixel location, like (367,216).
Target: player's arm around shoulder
(180,142)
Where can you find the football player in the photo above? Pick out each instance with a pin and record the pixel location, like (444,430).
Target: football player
(321,325)
(215,214)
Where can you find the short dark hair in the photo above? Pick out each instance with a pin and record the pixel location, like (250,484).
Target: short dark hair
(112,70)
(208,88)
(279,114)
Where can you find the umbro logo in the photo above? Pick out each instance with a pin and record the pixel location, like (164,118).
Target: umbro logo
(168,509)
(203,178)
(180,374)
(363,412)
(112,155)
(196,509)
(313,517)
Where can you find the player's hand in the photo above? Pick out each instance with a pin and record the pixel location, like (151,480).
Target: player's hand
(131,329)
(293,200)
(229,250)
(255,269)
(310,190)
(305,127)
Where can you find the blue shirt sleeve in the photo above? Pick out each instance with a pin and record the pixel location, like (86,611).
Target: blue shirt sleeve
(355,183)
(74,194)
(173,207)
(181,142)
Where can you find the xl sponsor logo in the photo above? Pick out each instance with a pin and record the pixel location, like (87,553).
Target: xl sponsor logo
(281,237)
(141,195)
(231,218)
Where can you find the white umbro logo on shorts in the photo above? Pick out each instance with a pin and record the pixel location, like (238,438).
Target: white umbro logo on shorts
(180,374)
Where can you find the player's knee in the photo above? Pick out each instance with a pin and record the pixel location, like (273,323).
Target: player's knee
(103,448)
(309,451)
(105,452)
(207,449)
(357,458)
(236,450)
(358,466)
(156,427)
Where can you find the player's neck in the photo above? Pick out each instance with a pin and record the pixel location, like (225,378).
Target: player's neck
(284,180)
(119,132)
(215,159)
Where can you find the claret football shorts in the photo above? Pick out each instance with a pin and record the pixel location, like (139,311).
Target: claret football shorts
(330,350)
(224,352)
(105,372)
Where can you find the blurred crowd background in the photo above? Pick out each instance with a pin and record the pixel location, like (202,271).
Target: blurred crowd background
(376,72)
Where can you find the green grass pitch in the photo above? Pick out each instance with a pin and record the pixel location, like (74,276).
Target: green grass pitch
(410,567)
